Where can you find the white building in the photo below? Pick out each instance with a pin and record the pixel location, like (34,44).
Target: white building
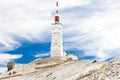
(56,40)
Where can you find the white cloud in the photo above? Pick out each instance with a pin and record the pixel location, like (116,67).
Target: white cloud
(7,43)
(4,57)
(73,3)
(39,55)
(3,69)
(98,34)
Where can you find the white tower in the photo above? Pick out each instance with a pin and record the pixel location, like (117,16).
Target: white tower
(56,41)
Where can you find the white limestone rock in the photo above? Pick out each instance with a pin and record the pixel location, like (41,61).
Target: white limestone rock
(58,69)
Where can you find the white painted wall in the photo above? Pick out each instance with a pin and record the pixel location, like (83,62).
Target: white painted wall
(56,40)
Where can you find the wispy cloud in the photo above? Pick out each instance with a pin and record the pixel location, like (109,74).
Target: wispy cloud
(3,69)
(98,34)
(40,55)
(5,57)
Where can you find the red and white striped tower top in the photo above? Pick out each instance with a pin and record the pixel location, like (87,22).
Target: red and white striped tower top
(57,17)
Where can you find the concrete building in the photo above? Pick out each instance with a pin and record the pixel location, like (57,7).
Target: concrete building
(56,39)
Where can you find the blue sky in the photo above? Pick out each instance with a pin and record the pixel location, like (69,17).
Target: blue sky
(91,29)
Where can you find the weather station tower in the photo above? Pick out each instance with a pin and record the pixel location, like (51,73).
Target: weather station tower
(56,36)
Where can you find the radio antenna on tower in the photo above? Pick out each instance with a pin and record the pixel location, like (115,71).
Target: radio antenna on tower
(57,17)
(57,7)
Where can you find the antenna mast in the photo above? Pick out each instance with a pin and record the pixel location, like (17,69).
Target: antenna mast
(57,17)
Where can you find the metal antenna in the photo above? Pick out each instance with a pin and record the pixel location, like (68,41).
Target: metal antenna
(57,7)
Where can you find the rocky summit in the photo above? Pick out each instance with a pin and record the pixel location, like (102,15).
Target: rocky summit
(59,69)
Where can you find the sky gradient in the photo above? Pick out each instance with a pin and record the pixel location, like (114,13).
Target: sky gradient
(91,29)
